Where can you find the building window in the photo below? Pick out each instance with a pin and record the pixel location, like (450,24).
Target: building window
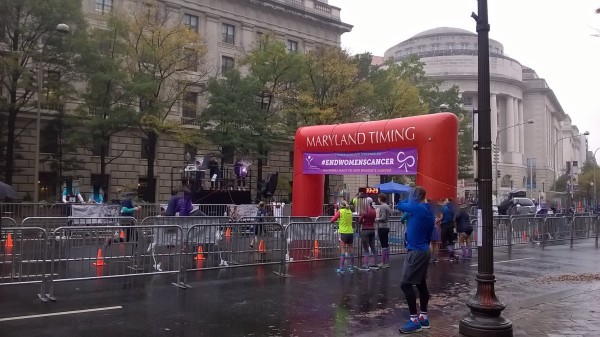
(190,105)
(142,188)
(464,45)
(227,64)
(191,59)
(228,33)
(48,186)
(450,46)
(467,100)
(292,46)
(435,46)
(52,86)
(97,149)
(191,21)
(145,149)
(49,140)
(104,6)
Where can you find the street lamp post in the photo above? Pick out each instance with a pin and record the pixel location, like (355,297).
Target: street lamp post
(497,150)
(594,177)
(554,157)
(62,29)
(484,318)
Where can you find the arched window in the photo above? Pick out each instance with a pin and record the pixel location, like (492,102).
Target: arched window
(505,181)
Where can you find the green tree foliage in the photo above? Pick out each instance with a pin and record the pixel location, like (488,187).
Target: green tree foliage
(331,89)
(108,104)
(232,118)
(586,178)
(30,40)
(164,61)
(436,99)
(275,70)
(394,95)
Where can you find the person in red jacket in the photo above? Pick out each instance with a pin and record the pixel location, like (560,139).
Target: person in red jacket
(367,236)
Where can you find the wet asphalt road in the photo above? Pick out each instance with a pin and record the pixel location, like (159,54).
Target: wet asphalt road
(253,301)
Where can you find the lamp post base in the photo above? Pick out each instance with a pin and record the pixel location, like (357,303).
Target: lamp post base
(485,326)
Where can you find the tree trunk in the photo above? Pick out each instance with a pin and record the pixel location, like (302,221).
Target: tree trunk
(259,177)
(150,183)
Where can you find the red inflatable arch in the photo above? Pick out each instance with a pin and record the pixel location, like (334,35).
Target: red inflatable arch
(435,138)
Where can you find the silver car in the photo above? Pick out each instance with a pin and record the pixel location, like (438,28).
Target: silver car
(521,206)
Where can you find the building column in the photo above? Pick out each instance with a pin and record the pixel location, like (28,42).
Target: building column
(510,121)
(517,130)
(522,127)
(494,117)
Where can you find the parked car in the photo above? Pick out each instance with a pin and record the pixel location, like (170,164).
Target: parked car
(521,206)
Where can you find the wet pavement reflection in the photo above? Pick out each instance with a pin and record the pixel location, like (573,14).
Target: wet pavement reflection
(313,301)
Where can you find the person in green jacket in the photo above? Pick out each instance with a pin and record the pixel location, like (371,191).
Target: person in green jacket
(344,218)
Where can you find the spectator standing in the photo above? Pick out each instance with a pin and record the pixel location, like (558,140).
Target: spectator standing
(383,230)
(414,271)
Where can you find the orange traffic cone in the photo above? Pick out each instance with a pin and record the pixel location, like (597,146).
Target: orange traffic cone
(122,235)
(99,259)
(316,247)
(228,232)
(261,247)
(199,254)
(9,241)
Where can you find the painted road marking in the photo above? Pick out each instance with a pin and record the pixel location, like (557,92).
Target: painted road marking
(527,258)
(16,318)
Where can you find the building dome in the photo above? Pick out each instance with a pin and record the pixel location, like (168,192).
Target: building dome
(443,31)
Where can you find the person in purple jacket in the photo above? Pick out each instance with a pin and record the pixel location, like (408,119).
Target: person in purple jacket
(414,272)
(184,204)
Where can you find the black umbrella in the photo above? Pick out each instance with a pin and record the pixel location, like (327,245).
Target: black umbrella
(7,191)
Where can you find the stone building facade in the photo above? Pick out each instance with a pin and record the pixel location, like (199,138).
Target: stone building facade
(229,28)
(528,157)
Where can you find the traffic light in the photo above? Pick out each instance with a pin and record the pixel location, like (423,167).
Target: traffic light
(496,154)
(497,173)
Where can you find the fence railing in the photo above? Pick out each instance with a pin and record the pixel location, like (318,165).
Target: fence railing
(45,250)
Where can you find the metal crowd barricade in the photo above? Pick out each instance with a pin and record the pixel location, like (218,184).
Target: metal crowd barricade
(282,220)
(526,229)
(24,256)
(308,241)
(49,224)
(20,211)
(501,226)
(395,238)
(556,229)
(7,222)
(91,252)
(211,246)
(582,227)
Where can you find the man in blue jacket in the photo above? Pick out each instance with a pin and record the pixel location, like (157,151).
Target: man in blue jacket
(414,272)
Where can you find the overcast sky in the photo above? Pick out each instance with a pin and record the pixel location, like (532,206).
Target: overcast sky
(554,37)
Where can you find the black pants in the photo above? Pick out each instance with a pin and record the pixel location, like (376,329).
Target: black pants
(411,297)
(447,235)
(367,238)
(384,234)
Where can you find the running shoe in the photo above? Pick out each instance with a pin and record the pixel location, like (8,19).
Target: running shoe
(384,265)
(364,268)
(350,269)
(411,327)
(424,322)
(339,270)
(374,267)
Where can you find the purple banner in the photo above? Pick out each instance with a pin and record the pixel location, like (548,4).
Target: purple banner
(387,162)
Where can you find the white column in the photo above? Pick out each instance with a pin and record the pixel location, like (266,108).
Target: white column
(510,121)
(517,130)
(494,117)
(522,127)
